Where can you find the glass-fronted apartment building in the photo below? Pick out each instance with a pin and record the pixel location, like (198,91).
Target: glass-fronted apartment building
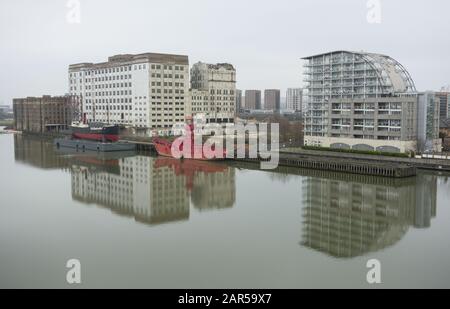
(362,101)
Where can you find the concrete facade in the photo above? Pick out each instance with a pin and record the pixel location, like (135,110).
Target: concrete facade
(142,91)
(252,99)
(272,99)
(213,92)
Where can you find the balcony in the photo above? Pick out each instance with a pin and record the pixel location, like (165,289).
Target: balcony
(336,60)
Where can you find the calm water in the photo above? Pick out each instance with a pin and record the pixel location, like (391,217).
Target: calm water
(138,221)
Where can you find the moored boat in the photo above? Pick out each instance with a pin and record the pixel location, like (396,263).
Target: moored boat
(95,132)
(164,147)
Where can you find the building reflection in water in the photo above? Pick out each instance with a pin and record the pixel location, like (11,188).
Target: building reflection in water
(37,152)
(344,215)
(348,215)
(153,190)
(212,192)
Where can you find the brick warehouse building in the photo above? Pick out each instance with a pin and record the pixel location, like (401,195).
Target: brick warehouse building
(42,114)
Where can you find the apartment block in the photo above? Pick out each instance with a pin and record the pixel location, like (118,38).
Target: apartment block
(42,114)
(444,104)
(272,99)
(213,92)
(364,101)
(428,122)
(294,99)
(239,102)
(142,91)
(252,99)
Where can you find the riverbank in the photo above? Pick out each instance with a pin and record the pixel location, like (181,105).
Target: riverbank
(353,163)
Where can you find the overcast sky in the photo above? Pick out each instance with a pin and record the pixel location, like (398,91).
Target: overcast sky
(263,39)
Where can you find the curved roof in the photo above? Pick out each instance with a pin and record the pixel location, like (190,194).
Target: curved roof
(390,72)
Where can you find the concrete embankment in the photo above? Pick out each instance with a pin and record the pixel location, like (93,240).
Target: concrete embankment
(429,164)
(336,164)
(343,165)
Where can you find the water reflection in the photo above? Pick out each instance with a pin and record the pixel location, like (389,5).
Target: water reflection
(152,190)
(212,185)
(155,191)
(37,152)
(344,215)
(347,215)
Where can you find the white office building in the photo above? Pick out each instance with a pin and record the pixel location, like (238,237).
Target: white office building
(142,91)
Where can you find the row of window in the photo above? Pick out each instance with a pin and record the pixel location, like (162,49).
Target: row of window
(102,86)
(176,76)
(113,101)
(178,91)
(106,107)
(167,84)
(167,67)
(167,98)
(128,100)
(102,79)
(213,98)
(113,85)
(222,91)
(109,93)
(122,100)
(126,68)
(205,109)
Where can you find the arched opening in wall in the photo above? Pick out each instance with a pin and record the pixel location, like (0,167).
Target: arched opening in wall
(388,149)
(340,146)
(363,147)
